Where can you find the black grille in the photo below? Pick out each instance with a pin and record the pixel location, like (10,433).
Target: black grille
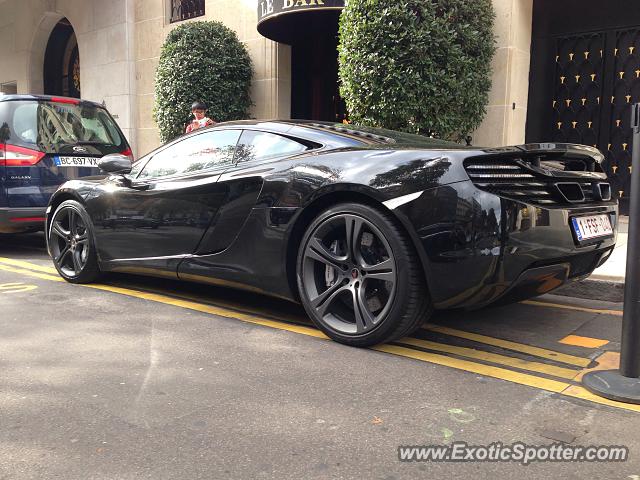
(523,181)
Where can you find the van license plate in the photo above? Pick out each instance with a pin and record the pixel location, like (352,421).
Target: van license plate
(75,161)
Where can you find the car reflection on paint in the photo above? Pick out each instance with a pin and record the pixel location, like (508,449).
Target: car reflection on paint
(135,221)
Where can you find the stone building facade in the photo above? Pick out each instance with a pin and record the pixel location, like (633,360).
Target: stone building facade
(108,50)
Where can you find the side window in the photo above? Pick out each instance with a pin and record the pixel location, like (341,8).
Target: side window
(255,145)
(25,122)
(199,152)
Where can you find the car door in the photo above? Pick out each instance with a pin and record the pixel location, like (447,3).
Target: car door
(159,214)
(243,182)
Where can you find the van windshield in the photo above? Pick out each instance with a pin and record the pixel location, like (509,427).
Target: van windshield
(53,127)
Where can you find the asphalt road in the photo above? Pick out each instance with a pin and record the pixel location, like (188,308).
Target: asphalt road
(140,378)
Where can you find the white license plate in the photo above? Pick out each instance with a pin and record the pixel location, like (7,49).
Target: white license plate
(592,226)
(75,161)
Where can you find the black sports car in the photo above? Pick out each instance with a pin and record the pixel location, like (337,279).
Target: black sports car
(369,229)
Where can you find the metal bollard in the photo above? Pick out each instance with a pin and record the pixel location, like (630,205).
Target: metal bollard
(624,385)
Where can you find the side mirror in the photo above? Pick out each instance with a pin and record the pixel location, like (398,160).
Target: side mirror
(115,163)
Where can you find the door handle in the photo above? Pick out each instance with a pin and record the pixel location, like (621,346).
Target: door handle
(140,186)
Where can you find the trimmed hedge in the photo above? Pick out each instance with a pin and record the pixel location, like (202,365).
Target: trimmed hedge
(201,61)
(419,66)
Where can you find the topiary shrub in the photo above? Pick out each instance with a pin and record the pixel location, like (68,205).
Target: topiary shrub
(201,61)
(419,66)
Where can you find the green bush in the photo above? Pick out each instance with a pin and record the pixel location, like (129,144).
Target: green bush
(419,66)
(201,61)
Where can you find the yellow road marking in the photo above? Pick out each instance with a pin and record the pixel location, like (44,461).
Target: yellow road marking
(16,288)
(560,372)
(479,368)
(617,313)
(555,386)
(222,304)
(577,391)
(606,361)
(28,265)
(30,273)
(517,347)
(586,342)
(200,307)
(52,270)
(562,388)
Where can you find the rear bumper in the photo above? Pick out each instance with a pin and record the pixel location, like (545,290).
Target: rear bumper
(14,220)
(481,248)
(538,280)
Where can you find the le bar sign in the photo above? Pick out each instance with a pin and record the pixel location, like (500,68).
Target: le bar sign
(271,8)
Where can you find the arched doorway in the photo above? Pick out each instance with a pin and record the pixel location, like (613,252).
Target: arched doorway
(62,62)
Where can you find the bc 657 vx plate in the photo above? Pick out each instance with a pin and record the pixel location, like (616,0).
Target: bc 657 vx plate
(75,161)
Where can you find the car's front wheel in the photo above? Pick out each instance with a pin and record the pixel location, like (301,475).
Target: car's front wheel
(359,277)
(71,243)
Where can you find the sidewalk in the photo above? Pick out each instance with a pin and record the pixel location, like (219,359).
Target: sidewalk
(614,268)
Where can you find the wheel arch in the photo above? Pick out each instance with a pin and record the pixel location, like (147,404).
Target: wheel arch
(327,200)
(59,197)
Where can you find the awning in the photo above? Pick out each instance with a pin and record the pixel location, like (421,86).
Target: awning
(286,20)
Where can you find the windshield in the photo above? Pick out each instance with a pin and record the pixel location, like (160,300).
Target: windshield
(53,127)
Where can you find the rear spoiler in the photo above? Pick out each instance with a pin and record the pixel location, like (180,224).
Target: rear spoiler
(554,150)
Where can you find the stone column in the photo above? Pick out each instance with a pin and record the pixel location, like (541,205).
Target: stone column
(506,116)
(106,57)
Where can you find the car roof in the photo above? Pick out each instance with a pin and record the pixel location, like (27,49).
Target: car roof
(345,134)
(315,125)
(46,98)
(294,128)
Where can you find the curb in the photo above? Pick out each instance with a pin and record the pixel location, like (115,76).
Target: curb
(596,287)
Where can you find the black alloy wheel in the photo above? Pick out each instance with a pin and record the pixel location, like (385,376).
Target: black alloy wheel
(71,243)
(359,278)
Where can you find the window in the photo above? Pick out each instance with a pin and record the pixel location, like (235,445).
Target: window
(25,122)
(185,9)
(57,127)
(199,152)
(261,145)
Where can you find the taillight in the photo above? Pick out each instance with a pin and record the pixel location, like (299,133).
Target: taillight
(127,153)
(71,101)
(12,156)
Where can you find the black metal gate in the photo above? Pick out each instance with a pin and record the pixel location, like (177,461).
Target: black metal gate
(597,78)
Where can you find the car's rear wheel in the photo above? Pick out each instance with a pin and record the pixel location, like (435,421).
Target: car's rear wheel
(71,243)
(359,277)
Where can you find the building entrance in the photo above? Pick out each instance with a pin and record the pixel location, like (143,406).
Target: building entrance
(62,62)
(311,28)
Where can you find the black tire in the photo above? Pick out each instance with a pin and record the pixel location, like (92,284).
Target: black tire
(71,243)
(360,303)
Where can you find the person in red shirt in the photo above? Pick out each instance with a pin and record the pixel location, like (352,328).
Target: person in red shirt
(199,110)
